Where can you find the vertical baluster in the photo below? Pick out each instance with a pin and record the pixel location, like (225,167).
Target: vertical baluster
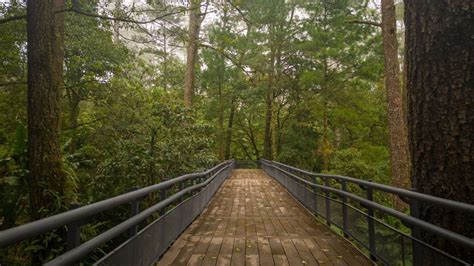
(315,195)
(345,220)
(73,230)
(162,197)
(328,202)
(371,225)
(181,188)
(134,209)
(417,249)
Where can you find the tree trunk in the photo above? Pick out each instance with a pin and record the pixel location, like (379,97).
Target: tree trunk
(267,142)
(191,51)
(45,31)
(398,139)
(229,130)
(326,146)
(441,110)
(74,101)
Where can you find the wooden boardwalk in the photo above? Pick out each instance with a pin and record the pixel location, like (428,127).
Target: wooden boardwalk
(252,220)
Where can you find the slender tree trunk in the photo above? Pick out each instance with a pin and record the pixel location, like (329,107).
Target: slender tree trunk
(252,140)
(74,101)
(116,23)
(267,141)
(396,122)
(45,31)
(399,160)
(191,51)
(326,146)
(221,138)
(440,60)
(229,130)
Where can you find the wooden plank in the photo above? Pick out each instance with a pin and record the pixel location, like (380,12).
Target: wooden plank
(238,254)
(251,245)
(240,231)
(187,251)
(202,246)
(250,229)
(175,249)
(304,252)
(275,246)
(225,253)
(264,252)
(196,259)
(280,260)
(291,252)
(251,260)
(212,252)
(318,254)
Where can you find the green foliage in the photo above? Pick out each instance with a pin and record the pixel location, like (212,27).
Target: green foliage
(123,124)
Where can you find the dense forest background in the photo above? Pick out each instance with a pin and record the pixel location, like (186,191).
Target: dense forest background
(154,89)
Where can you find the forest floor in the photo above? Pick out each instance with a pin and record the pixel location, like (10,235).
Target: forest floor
(253,220)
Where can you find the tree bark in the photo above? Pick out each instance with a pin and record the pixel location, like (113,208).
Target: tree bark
(267,142)
(230,125)
(396,122)
(440,86)
(191,51)
(74,101)
(45,31)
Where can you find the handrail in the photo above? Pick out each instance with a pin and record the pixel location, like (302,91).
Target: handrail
(463,240)
(84,249)
(459,206)
(32,229)
(284,173)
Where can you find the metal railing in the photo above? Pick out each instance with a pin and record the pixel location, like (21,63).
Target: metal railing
(193,192)
(329,197)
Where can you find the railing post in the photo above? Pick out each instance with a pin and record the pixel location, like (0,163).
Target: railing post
(134,209)
(181,187)
(328,202)
(315,195)
(162,197)
(371,225)
(73,231)
(416,248)
(345,220)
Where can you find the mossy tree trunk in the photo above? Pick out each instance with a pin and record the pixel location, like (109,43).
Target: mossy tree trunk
(45,30)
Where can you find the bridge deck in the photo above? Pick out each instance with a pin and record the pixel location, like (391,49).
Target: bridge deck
(252,220)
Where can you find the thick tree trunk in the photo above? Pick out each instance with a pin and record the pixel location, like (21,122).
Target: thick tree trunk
(191,51)
(441,112)
(45,30)
(398,139)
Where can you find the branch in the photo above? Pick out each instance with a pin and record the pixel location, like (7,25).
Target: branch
(86,123)
(226,56)
(13,83)
(78,11)
(366,22)
(75,10)
(14,18)
(246,20)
